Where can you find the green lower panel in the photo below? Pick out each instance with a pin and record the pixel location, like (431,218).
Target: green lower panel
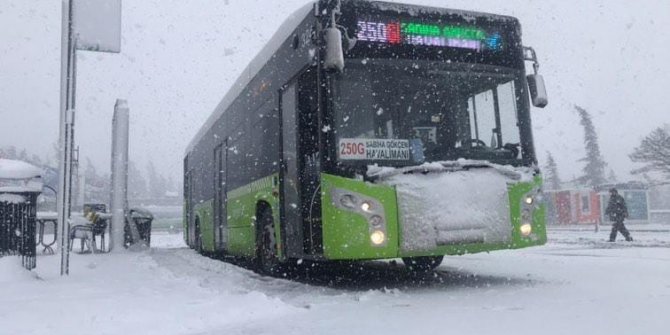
(204,213)
(185,223)
(539,235)
(241,207)
(346,234)
(242,241)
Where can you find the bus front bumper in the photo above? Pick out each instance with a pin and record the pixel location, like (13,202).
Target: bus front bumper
(364,221)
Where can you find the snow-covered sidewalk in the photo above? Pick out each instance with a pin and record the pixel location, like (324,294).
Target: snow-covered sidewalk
(126,294)
(577,284)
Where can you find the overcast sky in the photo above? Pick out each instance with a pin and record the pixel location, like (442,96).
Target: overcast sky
(180,56)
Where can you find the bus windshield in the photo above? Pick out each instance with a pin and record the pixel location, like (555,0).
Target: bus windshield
(405,112)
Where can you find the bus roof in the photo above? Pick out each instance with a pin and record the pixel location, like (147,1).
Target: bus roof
(417,10)
(284,32)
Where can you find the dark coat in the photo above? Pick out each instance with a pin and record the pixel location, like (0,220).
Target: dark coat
(616,208)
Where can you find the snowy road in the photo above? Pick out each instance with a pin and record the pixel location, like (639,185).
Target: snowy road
(576,284)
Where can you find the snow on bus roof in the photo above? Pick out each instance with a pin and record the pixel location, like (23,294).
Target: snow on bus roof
(13,169)
(418,10)
(283,33)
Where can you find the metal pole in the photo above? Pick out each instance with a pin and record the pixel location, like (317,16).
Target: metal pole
(66,133)
(119,196)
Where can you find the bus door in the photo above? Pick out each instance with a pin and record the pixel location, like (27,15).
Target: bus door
(220,199)
(310,167)
(290,211)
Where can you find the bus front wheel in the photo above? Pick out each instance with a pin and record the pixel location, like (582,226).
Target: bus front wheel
(267,260)
(422,264)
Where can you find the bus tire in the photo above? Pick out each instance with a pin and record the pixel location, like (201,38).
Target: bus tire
(266,245)
(422,264)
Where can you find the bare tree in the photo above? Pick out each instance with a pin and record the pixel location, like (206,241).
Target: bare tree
(594,170)
(654,152)
(551,177)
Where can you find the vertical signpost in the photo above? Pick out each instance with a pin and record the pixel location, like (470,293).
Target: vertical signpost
(119,201)
(92,25)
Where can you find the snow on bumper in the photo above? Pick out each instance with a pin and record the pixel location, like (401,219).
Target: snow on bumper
(447,208)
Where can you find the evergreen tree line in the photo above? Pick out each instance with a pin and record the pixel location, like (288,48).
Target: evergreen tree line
(653,153)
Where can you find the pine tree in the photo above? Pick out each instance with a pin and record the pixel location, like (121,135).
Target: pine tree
(611,177)
(594,170)
(156,182)
(654,151)
(551,178)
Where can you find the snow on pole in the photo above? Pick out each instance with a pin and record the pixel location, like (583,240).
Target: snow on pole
(119,196)
(66,136)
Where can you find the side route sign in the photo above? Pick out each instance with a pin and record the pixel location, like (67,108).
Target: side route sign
(97,25)
(373,149)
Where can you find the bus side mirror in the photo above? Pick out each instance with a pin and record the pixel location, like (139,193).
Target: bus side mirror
(538,92)
(334,56)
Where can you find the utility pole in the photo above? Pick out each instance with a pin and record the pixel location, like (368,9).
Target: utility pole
(65,145)
(81,21)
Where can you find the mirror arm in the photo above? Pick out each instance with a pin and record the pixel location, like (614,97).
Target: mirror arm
(530,55)
(335,9)
(334,55)
(351,41)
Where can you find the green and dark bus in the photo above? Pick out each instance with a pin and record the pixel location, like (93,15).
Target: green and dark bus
(370,130)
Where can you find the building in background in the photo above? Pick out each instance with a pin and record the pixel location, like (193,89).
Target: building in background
(586,206)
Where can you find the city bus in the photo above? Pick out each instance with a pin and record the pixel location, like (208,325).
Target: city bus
(368,130)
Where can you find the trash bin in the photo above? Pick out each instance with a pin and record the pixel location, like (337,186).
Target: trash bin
(138,227)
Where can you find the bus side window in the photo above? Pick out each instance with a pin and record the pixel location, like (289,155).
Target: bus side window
(266,144)
(508,112)
(482,117)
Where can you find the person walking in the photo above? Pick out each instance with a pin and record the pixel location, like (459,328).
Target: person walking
(617,212)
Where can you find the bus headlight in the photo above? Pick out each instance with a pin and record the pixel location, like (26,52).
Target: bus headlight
(377,237)
(530,203)
(529,200)
(368,207)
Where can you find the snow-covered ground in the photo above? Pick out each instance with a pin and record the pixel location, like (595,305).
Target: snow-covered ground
(576,284)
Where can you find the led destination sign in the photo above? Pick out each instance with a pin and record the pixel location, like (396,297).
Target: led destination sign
(448,36)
